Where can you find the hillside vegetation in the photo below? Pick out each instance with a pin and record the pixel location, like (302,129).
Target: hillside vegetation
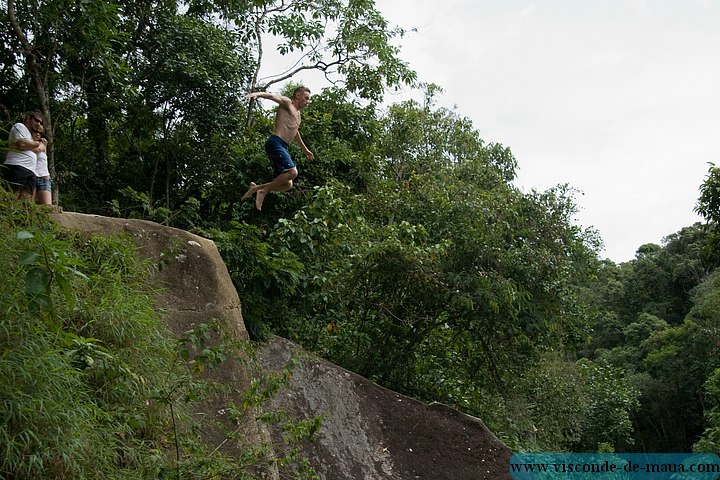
(93,384)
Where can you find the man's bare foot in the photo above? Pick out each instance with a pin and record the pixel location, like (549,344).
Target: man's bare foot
(260,198)
(253,188)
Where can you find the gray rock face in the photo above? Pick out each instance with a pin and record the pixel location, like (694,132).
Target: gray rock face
(369,432)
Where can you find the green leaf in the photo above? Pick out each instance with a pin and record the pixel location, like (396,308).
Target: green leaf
(67,291)
(78,273)
(37,282)
(28,258)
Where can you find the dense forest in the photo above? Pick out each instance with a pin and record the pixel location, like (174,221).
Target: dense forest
(404,253)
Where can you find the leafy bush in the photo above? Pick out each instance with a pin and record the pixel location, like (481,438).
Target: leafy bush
(92,384)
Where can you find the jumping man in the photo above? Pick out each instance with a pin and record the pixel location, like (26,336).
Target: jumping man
(287,125)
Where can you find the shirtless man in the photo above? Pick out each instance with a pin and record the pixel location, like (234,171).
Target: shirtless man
(287,125)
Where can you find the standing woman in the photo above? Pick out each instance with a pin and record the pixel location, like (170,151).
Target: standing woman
(42,174)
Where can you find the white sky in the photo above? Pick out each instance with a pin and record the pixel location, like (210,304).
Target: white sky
(618,98)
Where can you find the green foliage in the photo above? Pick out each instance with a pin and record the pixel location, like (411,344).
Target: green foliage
(646,326)
(93,386)
(66,393)
(46,262)
(660,278)
(351,40)
(418,138)
(710,440)
(341,133)
(677,361)
(706,312)
(266,277)
(709,202)
(656,319)
(708,206)
(434,278)
(371,290)
(403,252)
(139,205)
(570,406)
(182,101)
(612,400)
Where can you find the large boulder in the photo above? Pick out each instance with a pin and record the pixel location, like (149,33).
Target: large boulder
(194,288)
(367,432)
(193,280)
(370,432)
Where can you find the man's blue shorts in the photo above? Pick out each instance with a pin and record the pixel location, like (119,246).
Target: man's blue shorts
(277,152)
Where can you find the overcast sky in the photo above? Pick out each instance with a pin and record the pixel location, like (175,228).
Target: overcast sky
(618,98)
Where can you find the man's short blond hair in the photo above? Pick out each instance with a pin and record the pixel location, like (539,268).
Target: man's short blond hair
(300,89)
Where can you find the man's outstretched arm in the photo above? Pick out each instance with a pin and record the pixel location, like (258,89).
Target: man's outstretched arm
(279,99)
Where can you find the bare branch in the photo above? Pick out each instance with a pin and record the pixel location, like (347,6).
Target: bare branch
(322,66)
(313,49)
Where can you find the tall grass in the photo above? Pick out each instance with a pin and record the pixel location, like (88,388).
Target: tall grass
(81,350)
(92,384)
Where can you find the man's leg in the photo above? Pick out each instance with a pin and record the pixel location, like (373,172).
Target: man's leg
(281,183)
